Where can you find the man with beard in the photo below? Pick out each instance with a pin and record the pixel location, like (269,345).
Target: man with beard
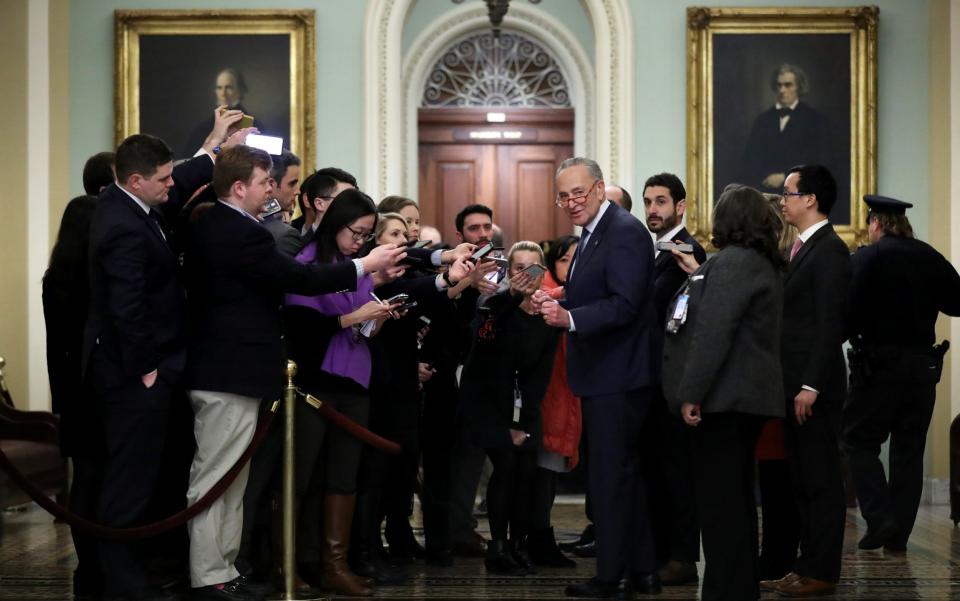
(672,501)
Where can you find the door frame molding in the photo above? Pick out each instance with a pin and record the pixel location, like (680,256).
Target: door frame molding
(387,153)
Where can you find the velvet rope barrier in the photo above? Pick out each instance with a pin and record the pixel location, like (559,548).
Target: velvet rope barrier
(137,532)
(263,424)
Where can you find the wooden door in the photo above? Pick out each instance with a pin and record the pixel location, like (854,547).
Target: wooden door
(508,166)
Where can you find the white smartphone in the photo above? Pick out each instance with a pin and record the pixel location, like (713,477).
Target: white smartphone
(271,144)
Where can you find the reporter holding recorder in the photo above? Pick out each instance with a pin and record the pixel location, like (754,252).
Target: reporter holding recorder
(721,372)
(504,379)
(327,336)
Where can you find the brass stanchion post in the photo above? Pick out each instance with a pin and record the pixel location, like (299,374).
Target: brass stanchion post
(289,592)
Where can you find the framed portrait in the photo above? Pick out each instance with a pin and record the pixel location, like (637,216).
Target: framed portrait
(771,88)
(173,68)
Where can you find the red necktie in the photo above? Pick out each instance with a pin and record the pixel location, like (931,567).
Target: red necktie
(796,248)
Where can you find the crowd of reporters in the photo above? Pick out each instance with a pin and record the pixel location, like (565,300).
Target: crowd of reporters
(172,299)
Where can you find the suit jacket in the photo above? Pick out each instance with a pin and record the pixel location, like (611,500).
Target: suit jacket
(804,140)
(136,319)
(815,289)
(236,278)
(726,357)
(287,238)
(669,276)
(610,296)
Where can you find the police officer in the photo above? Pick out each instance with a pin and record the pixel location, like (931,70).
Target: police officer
(899,286)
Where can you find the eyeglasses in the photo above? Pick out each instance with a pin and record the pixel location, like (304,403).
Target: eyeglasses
(563,200)
(360,236)
(786,195)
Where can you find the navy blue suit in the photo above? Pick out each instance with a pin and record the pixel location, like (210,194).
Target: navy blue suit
(611,364)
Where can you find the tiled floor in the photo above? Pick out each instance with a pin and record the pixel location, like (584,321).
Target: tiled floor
(36,561)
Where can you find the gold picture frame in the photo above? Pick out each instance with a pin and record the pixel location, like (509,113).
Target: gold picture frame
(175,49)
(736,47)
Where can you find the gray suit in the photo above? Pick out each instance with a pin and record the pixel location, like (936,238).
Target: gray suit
(287,237)
(726,357)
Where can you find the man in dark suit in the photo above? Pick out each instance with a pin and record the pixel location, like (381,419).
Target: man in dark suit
(894,368)
(134,339)
(285,176)
(236,278)
(610,314)
(789,133)
(814,378)
(672,496)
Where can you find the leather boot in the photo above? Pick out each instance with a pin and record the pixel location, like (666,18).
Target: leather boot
(499,560)
(543,550)
(337,519)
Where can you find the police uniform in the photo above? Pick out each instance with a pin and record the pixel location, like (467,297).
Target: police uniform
(899,287)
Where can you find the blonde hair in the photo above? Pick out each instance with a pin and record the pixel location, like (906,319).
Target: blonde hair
(386,218)
(526,245)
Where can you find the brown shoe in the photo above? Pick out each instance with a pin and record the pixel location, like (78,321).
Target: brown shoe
(337,520)
(675,573)
(773,585)
(807,587)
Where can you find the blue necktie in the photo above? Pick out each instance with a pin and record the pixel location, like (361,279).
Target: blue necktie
(580,246)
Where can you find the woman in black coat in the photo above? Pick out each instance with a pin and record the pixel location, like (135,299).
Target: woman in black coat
(504,379)
(721,372)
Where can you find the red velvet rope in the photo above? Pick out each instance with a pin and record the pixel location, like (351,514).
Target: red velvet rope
(137,532)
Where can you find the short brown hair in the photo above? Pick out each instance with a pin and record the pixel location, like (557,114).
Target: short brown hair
(236,164)
(893,225)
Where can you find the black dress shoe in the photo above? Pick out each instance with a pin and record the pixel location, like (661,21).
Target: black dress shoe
(874,539)
(594,588)
(644,584)
(235,590)
(586,550)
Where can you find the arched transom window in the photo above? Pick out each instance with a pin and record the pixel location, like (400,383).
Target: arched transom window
(481,71)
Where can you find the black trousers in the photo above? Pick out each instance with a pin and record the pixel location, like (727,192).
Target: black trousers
(813,452)
(135,426)
(723,447)
(901,411)
(614,425)
(542,494)
(671,491)
(509,502)
(328,459)
(779,519)
(436,442)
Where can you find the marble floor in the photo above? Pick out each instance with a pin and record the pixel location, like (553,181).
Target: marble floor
(36,561)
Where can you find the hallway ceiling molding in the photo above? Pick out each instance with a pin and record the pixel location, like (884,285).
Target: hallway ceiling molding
(437,37)
(387,141)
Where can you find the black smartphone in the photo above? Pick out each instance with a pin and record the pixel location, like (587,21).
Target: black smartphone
(534,271)
(481,252)
(666,245)
(406,306)
(422,243)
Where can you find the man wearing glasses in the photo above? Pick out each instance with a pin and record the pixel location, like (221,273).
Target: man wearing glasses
(814,378)
(610,315)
